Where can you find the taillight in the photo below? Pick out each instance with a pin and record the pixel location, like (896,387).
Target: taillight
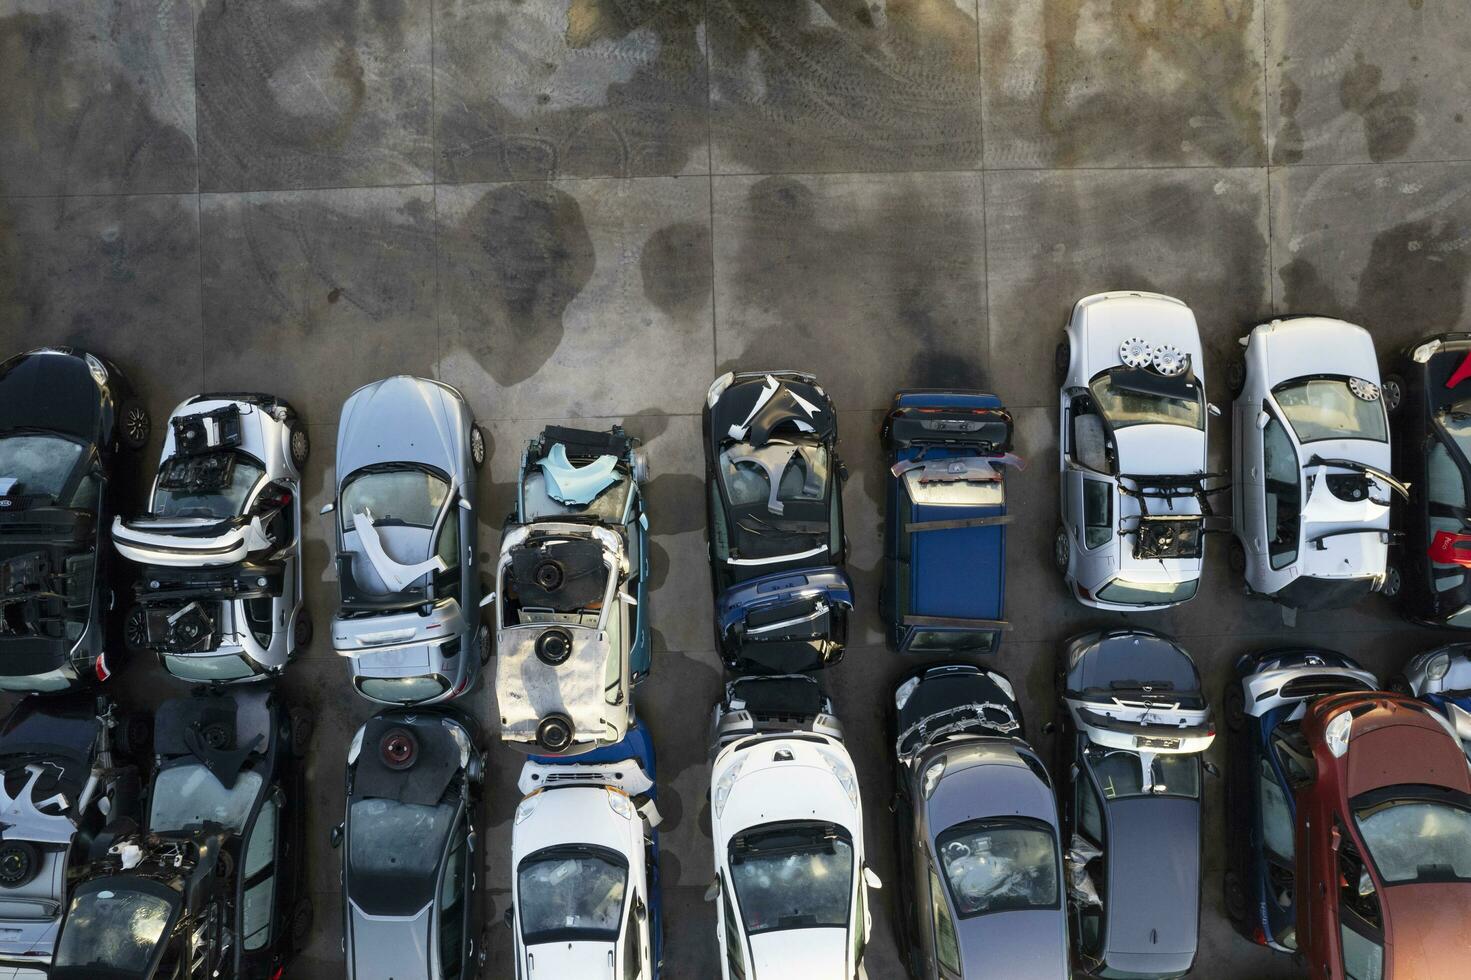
(1450,548)
(102,672)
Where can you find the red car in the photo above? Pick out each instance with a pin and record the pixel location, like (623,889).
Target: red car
(1383,841)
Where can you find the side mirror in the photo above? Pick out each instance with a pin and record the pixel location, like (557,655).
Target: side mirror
(1214,409)
(713,892)
(1050,728)
(627,597)
(871,879)
(336,836)
(1262,418)
(465,504)
(328,508)
(1213,769)
(487,599)
(640,910)
(1335,838)
(510,917)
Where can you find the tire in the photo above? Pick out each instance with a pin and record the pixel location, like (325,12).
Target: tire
(1234,897)
(1236,377)
(1392,390)
(1235,707)
(1062,358)
(135,630)
(477,445)
(133,736)
(1236,557)
(302,629)
(1061,550)
(298,443)
(302,916)
(1393,582)
(133,424)
(484,641)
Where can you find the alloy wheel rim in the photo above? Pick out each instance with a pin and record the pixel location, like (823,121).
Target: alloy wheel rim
(137,424)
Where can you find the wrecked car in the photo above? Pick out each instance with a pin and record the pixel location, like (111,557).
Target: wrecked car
(412,870)
(1264,706)
(585,892)
(67,419)
(1429,404)
(404,533)
(213,885)
(1442,679)
(571,602)
(980,854)
(791,881)
(1134,726)
(70,782)
(1132,438)
(219,592)
(767,704)
(945,532)
(1310,461)
(774,512)
(1383,840)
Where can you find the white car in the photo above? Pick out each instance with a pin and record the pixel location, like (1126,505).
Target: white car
(1132,438)
(1310,463)
(791,884)
(219,594)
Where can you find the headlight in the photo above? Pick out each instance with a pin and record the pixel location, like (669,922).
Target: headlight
(1075,655)
(932,776)
(99,373)
(843,771)
(355,747)
(1001,682)
(722,789)
(1338,732)
(527,807)
(1425,351)
(461,739)
(619,802)
(718,388)
(903,691)
(1437,666)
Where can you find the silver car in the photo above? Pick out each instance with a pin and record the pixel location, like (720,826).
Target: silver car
(219,594)
(405,533)
(1442,678)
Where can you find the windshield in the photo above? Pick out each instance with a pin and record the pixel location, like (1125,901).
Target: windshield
(190,795)
(395,846)
(39,464)
(112,929)
(403,690)
(569,894)
(1120,773)
(999,867)
(1417,840)
(215,504)
(1127,593)
(1325,408)
(792,877)
(799,469)
(401,495)
(1124,406)
(230,667)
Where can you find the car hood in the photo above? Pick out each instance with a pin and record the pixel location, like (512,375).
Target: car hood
(555,961)
(800,954)
(400,419)
(1427,930)
(388,946)
(1148,450)
(50,390)
(1023,945)
(1315,345)
(1154,877)
(1395,754)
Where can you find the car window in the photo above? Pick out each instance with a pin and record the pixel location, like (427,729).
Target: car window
(188,795)
(87,493)
(1277,827)
(951,641)
(947,950)
(1363,958)
(571,895)
(1443,483)
(39,464)
(1125,406)
(1412,840)
(112,931)
(613,691)
(260,878)
(735,955)
(1120,773)
(1356,893)
(996,867)
(452,909)
(216,504)
(448,546)
(1327,408)
(1129,593)
(792,877)
(632,961)
(402,495)
(261,850)
(1097,512)
(1283,494)
(1090,811)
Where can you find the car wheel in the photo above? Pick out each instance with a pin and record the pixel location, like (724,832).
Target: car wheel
(1235,707)
(302,630)
(135,630)
(1061,359)
(299,441)
(484,646)
(1393,581)
(1392,389)
(301,731)
(1236,377)
(1235,897)
(20,862)
(1399,685)
(477,445)
(1061,550)
(1236,557)
(133,736)
(134,425)
(302,916)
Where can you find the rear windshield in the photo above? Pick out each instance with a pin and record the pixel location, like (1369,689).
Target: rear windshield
(191,796)
(215,504)
(1417,840)
(571,894)
(39,464)
(1326,408)
(393,852)
(401,495)
(1147,593)
(111,932)
(1120,774)
(792,877)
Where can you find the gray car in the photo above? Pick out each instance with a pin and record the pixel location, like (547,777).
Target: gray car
(405,534)
(981,864)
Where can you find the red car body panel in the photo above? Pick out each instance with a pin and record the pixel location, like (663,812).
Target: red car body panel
(1394,741)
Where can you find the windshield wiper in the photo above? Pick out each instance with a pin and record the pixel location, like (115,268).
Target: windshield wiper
(1403,489)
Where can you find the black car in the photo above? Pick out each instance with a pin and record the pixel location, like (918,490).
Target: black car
(774,507)
(412,901)
(65,417)
(68,786)
(1429,400)
(214,885)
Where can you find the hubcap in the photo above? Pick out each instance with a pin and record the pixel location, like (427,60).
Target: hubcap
(477,446)
(1059,549)
(298,444)
(137,424)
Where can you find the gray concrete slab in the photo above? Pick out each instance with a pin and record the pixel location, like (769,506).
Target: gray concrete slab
(1385,247)
(313,94)
(827,272)
(318,292)
(577,297)
(98,98)
(1199,234)
(1365,81)
(1090,83)
(822,85)
(568,88)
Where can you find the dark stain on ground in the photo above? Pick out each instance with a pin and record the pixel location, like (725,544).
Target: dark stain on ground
(676,503)
(518,259)
(676,270)
(598,118)
(899,273)
(334,294)
(1389,116)
(1089,88)
(111,141)
(1289,146)
(250,136)
(895,88)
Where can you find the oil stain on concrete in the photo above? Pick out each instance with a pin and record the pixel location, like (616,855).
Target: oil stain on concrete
(314,95)
(96,98)
(874,281)
(1096,83)
(826,85)
(570,88)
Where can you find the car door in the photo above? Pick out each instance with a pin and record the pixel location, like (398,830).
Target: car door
(1246,499)
(1316,861)
(1281,523)
(731,935)
(258,921)
(1359,943)
(944,949)
(1088,821)
(452,905)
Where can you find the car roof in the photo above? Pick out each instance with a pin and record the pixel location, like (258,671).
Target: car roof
(1153,903)
(1022,944)
(1427,928)
(957,572)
